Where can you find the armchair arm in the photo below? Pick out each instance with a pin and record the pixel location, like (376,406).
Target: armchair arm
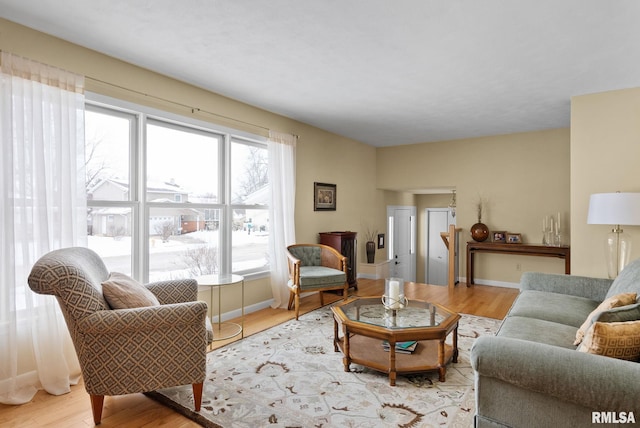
(592,381)
(581,286)
(331,258)
(294,269)
(175,291)
(125,321)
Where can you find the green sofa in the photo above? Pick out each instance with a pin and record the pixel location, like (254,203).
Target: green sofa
(531,375)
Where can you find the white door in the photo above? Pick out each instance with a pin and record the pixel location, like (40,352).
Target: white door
(437,266)
(402,228)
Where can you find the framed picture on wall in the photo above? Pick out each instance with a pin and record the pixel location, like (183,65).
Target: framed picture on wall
(324,197)
(499,236)
(514,238)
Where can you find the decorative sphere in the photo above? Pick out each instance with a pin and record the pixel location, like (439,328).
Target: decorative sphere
(479,232)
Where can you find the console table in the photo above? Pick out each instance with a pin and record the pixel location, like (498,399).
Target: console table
(562,252)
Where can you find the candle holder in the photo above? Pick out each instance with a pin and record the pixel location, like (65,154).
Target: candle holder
(394,294)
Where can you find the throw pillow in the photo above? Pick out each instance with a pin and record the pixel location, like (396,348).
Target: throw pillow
(612,302)
(616,339)
(123,292)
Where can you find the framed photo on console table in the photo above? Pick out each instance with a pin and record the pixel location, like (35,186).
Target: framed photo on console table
(514,238)
(324,197)
(499,236)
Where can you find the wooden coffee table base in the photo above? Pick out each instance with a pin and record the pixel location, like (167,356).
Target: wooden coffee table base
(429,355)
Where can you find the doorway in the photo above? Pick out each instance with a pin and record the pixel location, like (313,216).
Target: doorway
(437,253)
(402,228)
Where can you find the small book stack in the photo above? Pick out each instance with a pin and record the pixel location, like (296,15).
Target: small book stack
(401,347)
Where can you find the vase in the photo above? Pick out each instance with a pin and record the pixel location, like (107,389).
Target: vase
(479,232)
(371,251)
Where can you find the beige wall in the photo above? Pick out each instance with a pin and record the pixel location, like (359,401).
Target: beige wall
(605,157)
(522,177)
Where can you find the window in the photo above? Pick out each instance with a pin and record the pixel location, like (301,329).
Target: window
(170,197)
(250,196)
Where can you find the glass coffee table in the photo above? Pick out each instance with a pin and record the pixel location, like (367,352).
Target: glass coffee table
(362,325)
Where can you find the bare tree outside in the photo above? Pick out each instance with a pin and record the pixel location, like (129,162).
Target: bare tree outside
(166,229)
(201,260)
(94,168)
(256,169)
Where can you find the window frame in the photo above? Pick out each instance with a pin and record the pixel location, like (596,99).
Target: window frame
(138,186)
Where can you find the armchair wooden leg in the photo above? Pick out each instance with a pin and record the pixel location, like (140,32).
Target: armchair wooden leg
(297,299)
(96,407)
(321,298)
(291,296)
(197,395)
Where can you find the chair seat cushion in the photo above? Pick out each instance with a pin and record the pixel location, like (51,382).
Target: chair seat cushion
(320,276)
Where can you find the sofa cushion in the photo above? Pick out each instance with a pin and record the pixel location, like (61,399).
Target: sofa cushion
(616,339)
(554,307)
(123,292)
(611,302)
(536,330)
(320,276)
(627,281)
(619,314)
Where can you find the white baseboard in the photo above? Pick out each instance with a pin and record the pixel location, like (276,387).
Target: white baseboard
(496,283)
(236,313)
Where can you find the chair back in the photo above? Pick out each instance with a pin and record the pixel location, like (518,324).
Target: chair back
(74,275)
(309,255)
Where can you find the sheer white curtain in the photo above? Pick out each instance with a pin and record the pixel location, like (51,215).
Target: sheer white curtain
(282,178)
(43,208)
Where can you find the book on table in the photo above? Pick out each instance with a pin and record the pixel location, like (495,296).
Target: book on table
(402,347)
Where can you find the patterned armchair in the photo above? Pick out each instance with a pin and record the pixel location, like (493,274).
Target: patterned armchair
(315,267)
(126,351)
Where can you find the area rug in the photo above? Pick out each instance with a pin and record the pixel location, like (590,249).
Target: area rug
(290,376)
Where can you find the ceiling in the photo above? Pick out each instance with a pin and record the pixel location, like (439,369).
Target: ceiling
(379,71)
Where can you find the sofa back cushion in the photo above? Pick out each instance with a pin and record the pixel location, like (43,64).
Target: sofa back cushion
(619,314)
(628,280)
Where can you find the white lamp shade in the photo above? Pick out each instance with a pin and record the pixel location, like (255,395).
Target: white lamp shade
(614,208)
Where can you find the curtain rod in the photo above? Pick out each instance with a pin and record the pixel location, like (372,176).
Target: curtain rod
(193,109)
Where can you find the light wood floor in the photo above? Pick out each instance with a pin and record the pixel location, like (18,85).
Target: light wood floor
(136,410)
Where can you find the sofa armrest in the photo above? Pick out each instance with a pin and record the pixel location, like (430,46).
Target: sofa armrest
(593,381)
(175,290)
(581,286)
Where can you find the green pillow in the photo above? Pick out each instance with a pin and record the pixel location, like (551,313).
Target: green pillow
(619,314)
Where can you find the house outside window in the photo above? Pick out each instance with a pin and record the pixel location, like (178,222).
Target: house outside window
(171,197)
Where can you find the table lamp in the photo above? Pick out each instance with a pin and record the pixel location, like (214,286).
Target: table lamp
(615,209)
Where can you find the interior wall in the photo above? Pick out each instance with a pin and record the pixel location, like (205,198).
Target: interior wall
(605,150)
(520,177)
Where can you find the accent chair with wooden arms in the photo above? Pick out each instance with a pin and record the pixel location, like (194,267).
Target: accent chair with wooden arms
(315,267)
(124,351)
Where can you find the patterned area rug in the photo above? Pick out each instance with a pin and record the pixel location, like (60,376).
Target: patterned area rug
(290,376)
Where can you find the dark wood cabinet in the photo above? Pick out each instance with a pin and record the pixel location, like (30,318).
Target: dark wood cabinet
(346,244)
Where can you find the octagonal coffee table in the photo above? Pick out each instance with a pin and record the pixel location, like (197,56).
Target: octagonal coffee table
(361,325)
